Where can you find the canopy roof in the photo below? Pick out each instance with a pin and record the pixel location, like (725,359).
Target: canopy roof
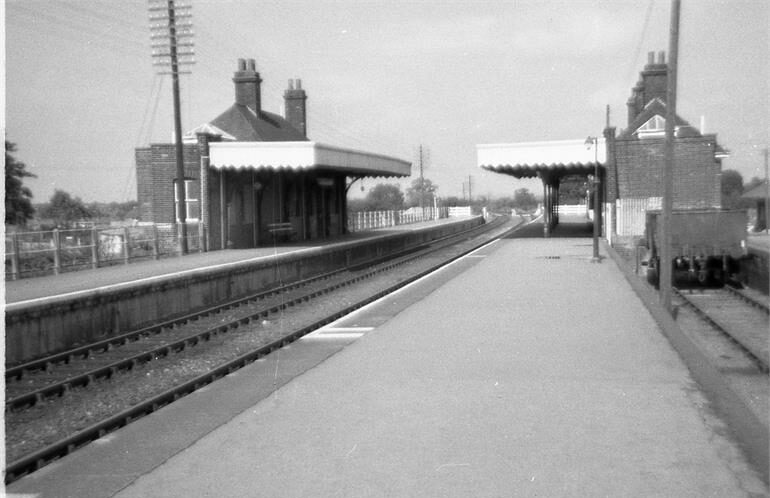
(303,155)
(758,192)
(529,159)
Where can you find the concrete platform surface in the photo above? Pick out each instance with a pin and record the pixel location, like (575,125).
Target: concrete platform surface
(534,372)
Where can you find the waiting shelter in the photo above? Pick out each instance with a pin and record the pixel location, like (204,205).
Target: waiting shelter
(258,189)
(550,161)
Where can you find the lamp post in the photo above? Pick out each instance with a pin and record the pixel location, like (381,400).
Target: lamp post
(594,142)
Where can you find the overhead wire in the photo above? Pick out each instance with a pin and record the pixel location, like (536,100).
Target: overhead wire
(74,30)
(645,26)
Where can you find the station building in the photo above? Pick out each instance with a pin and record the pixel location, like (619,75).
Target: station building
(249,171)
(630,162)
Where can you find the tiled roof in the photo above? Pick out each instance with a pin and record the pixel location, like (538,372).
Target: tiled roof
(209,129)
(758,192)
(653,107)
(245,125)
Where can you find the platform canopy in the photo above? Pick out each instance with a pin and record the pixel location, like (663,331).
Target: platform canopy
(533,159)
(303,156)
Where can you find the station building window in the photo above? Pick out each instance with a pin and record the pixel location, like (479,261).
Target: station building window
(192,206)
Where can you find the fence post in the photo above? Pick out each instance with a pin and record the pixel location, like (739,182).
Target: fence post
(126,246)
(56,249)
(14,256)
(94,248)
(155,242)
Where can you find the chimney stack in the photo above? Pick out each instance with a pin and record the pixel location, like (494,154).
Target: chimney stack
(247,80)
(651,85)
(295,107)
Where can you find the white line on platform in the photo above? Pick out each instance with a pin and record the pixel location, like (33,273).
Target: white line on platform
(313,336)
(345,330)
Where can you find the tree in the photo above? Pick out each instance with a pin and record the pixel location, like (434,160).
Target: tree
(755,180)
(732,188)
(64,210)
(524,200)
(420,192)
(18,198)
(113,211)
(572,190)
(384,197)
(453,200)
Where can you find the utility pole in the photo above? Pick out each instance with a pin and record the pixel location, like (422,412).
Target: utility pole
(171,21)
(670,161)
(422,184)
(470,195)
(767,195)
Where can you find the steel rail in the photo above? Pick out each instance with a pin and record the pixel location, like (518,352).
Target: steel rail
(762,306)
(755,357)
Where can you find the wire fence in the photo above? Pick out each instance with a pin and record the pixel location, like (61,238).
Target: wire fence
(30,254)
(47,252)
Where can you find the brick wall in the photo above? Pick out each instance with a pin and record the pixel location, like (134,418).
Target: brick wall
(144,182)
(696,172)
(155,174)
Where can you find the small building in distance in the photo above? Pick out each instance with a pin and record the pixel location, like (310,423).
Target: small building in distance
(758,194)
(250,173)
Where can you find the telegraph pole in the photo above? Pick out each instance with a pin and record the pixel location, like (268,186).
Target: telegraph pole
(422,184)
(670,161)
(169,22)
(767,194)
(470,196)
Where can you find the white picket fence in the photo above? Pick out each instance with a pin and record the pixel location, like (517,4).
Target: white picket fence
(576,209)
(372,220)
(631,213)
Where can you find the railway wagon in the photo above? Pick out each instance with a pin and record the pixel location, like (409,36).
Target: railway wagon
(706,246)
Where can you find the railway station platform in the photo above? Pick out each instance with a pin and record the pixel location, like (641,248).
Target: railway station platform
(74,281)
(522,369)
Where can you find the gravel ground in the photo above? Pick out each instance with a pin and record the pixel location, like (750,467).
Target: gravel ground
(52,420)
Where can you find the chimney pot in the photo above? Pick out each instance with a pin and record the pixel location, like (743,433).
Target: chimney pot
(294,106)
(247,80)
(650,57)
(661,57)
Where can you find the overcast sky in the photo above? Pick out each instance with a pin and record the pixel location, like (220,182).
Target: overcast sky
(381,76)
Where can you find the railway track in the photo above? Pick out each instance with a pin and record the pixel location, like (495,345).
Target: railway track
(48,380)
(55,375)
(737,316)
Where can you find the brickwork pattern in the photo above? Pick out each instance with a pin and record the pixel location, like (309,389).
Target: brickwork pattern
(156,171)
(696,173)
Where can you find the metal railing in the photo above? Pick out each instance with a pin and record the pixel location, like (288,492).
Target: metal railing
(30,254)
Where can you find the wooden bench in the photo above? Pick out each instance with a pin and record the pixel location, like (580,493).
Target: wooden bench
(281,230)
